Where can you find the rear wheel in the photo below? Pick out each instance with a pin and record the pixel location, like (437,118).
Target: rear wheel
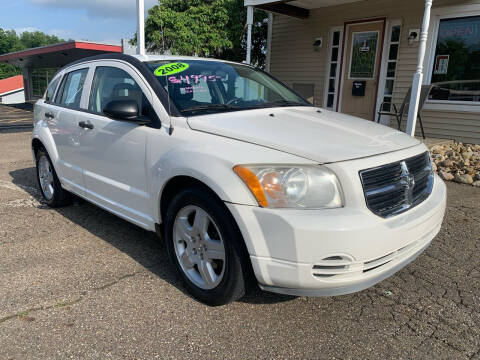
(52,191)
(205,245)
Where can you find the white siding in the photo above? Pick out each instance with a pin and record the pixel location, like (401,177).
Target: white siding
(294,60)
(13,98)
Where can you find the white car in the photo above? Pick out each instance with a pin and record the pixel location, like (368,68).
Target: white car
(245,180)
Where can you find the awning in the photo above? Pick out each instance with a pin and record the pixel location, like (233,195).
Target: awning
(295,8)
(58,55)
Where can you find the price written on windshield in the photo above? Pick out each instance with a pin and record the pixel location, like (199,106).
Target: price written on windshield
(193,79)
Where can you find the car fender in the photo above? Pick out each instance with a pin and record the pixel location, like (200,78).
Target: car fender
(214,172)
(42,133)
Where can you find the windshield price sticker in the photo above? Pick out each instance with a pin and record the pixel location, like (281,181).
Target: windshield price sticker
(171,68)
(193,78)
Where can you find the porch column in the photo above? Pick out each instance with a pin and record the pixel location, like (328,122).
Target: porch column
(141,27)
(249,33)
(418,77)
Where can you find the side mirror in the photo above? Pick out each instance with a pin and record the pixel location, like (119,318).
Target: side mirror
(123,110)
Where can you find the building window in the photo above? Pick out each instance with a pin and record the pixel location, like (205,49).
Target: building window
(393,46)
(333,69)
(456,62)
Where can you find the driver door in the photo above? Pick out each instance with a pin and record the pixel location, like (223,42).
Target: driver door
(114,151)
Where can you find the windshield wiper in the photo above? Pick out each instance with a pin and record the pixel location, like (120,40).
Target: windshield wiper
(211,107)
(284,102)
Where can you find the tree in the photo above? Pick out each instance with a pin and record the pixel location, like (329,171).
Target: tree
(207,28)
(10,42)
(37,38)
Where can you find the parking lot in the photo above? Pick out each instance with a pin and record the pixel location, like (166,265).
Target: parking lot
(78,282)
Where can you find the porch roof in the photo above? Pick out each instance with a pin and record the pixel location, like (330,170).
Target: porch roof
(295,8)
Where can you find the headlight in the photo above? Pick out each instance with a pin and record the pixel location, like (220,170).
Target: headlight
(307,187)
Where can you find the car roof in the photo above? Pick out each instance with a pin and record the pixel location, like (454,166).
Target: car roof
(145,58)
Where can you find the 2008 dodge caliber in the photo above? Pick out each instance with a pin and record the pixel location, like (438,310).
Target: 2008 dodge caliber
(245,179)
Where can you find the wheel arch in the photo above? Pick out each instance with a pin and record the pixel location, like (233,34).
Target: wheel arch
(43,138)
(174,185)
(36,145)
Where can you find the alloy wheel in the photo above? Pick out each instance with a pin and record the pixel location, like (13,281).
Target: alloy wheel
(199,247)
(45,174)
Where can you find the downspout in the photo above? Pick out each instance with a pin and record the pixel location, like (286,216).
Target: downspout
(141,27)
(418,77)
(249,33)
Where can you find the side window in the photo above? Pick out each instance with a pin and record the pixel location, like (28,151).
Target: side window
(110,83)
(70,92)
(51,89)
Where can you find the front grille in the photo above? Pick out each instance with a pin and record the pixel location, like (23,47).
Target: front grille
(397,187)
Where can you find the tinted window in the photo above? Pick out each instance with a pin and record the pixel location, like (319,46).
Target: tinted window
(110,84)
(72,86)
(51,89)
(197,87)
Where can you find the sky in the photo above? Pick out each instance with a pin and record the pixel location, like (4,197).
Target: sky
(93,20)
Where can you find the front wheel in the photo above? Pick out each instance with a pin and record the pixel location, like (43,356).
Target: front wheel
(205,246)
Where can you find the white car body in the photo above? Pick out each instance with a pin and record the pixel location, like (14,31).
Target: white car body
(124,168)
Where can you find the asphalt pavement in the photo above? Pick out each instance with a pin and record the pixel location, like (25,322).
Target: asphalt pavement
(81,283)
(16,116)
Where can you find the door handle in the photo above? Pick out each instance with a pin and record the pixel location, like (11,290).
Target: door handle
(85,125)
(49,115)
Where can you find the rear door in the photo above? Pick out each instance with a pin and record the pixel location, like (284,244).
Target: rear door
(112,151)
(62,119)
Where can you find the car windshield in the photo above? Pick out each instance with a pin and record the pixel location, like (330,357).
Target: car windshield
(197,87)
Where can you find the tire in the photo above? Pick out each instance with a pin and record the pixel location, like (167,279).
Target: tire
(227,279)
(53,193)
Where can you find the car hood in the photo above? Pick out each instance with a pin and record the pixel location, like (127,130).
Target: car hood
(319,135)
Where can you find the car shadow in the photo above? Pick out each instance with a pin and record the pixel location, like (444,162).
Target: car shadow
(145,247)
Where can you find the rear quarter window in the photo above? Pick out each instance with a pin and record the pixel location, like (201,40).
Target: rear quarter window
(50,93)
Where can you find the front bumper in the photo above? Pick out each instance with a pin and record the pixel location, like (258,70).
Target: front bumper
(338,251)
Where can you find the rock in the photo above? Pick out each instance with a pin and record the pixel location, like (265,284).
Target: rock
(464,179)
(457,161)
(447,163)
(476,183)
(438,158)
(467,155)
(446,176)
(437,149)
